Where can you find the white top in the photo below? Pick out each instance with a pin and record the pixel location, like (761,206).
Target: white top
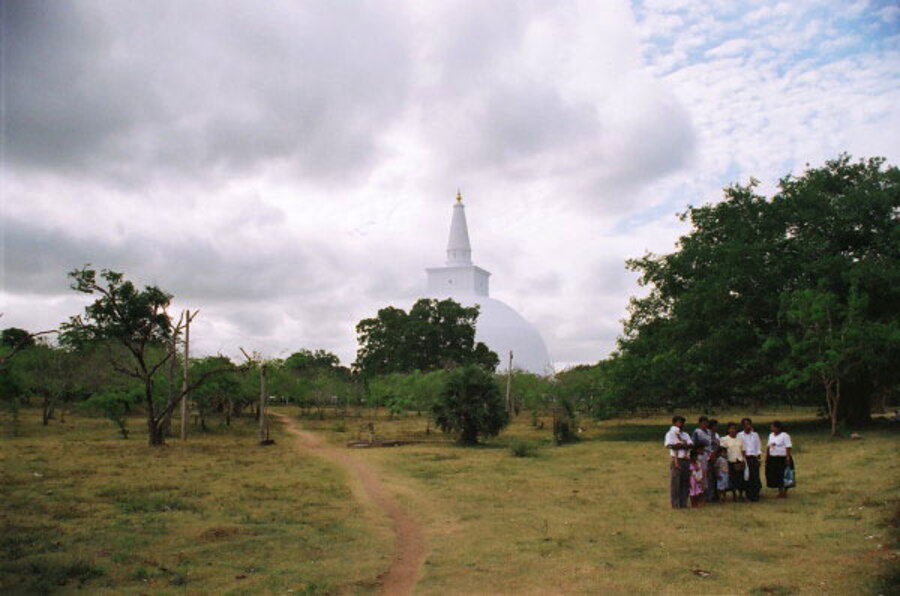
(676,436)
(779,444)
(459,251)
(752,445)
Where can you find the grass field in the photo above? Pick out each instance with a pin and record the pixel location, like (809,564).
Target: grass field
(594,517)
(82,509)
(217,514)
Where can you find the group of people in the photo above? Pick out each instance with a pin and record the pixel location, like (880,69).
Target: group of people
(706,466)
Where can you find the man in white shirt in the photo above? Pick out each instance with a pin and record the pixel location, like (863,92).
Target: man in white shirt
(679,444)
(753,451)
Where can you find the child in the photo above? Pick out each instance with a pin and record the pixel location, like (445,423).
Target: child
(697,491)
(722,473)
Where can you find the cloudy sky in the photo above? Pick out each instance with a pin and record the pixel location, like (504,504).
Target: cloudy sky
(289,167)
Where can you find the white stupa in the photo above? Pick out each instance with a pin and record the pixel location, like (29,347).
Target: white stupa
(499,326)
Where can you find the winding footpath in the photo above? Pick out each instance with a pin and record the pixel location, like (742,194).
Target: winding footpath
(409,536)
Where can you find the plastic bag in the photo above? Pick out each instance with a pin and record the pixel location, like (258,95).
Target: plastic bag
(790,476)
(746,473)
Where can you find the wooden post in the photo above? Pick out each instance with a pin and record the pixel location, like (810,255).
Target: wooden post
(263,423)
(509,404)
(184,377)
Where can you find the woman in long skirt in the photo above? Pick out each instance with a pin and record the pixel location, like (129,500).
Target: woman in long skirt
(778,457)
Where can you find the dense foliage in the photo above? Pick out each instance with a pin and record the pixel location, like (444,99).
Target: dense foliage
(399,392)
(470,405)
(136,320)
(792,299)
(313,379)
(434,334)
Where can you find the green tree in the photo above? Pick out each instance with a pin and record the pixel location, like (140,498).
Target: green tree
(115,405)
(527,390)
(309,361)
(404,392)
(713,329)
(434,334)
(137,321)
(470,405)
(842,225)
(829,339)
(217,393)
(56,376)
(12,391)
(695,339)
(13,337)
(589,389)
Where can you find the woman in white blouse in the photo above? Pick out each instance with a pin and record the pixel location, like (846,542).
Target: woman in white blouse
(778,457)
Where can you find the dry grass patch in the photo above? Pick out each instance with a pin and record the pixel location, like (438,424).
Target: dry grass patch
(593,516)
(215,514)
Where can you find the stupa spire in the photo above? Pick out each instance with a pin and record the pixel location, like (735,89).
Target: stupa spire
(459,251)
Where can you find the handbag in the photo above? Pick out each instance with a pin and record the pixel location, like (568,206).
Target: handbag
(790,476)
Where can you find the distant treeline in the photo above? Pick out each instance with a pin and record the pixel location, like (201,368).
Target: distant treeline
(791,299)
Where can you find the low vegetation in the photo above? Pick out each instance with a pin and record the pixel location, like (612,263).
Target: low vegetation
(594,517)
(517,513)
(215,514)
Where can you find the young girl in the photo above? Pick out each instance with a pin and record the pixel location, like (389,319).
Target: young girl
(697,474)
(722,473)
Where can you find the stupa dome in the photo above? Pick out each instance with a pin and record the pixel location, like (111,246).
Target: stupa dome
(499,326)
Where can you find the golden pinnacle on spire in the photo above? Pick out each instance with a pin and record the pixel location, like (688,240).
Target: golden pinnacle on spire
(458,196)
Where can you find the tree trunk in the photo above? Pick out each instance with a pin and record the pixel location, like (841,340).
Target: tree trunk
(155,431)
(156,435)
(263,423)
(468,436)
(184,377)
(46,411)
(509,405)
(857,397)
(832,397)
(858,394)
(170,377)
(879,403)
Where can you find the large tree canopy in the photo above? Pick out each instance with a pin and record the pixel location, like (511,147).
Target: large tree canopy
(737,313)
(434,334)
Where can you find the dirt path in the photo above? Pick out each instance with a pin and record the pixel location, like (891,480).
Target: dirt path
(409,536)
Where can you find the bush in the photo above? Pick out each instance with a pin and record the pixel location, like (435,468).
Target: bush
(115,405)
(470,404)
(521,448)
(564,423)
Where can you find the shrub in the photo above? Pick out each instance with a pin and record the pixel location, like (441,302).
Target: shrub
(470,405)
(115,405)
(564,423)
(522,448)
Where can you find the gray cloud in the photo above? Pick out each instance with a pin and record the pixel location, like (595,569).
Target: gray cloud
(38,259)
(126,91)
